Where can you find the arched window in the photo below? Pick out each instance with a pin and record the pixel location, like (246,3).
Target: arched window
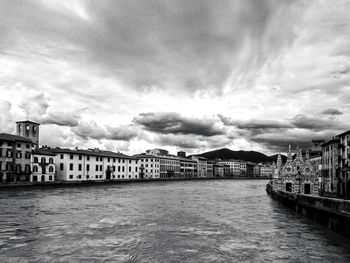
(35,169)
(35,159)
(43,160)
(51,169)
(51,160)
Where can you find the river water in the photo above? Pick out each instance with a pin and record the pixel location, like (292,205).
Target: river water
(178,221)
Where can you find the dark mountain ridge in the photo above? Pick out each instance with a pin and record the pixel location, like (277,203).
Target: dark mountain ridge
(248,156)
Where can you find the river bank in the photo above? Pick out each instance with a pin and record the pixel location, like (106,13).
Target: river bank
(330,212)
(55,184)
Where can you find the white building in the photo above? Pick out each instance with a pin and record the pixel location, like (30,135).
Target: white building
(43,166)
(149,165)
(94,164)
(202,165)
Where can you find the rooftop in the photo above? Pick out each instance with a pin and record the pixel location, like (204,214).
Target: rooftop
(27,121)
(13,138)
(93,152)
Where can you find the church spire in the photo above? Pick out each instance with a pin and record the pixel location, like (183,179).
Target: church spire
(279,161)
(289,154)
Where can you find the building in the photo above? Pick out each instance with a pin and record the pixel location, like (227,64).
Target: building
(329,178)
(149,165)
(202,165)
(344,165)
(169,165)
(94,164)
(28,129)
(219,170)
(43,165)
(15,158)
(210,168)
(296,176)
(236,167)
(188,168)
(250,169)
(265,170)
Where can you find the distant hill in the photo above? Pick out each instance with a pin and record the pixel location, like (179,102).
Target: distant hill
(224,154)
(274,158)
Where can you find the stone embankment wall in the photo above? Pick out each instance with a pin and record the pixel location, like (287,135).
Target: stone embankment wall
(329,212)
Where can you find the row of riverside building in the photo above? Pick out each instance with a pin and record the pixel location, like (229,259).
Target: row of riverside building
(22,160)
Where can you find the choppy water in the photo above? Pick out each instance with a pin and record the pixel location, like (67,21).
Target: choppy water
(192,221)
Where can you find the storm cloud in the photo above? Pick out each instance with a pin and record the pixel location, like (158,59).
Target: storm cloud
(264,71)
(172,122)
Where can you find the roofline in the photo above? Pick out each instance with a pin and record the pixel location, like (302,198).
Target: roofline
(28,121)
(344,133)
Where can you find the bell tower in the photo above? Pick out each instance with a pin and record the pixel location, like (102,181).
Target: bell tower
(28,129)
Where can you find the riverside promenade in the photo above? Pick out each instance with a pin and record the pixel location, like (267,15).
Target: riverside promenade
(332,213)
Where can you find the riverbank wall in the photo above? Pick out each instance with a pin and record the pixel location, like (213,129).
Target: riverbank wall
(330,212)
(57,184)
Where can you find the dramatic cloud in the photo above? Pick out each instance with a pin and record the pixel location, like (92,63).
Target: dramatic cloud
(317,124)
(171,122)
(279,69)
(93,131)
(331,112)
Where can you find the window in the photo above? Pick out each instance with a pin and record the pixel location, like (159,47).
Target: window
(80,157)
(50,169)
(88,158)
(123,168)
(50,178)
(71,176)
(35,159)
(129,176)
(100,167)
(129,161)
(61,156)
(43,160)
(79,176)
(113,168)
(18,145)
(27,146)
(96,167)
(100,175)
(109,159)
(118,168)
(123,160)
(71,156)
(35,169)
(135,169)
(88,167)
(18,155)
(51,160)
(87,176)
(80,167)
(96,176)
(96,159)
(129,169)
(61,167)
(71,167)
(114,160)
(27,155)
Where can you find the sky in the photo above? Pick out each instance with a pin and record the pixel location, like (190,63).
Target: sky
(191,75)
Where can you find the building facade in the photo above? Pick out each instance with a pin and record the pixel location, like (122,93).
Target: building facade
(296,176)
(188,168)
(15,158)
(43,166)
(202,165)
(149,166)
(344,165)
(329,178)
(94,164)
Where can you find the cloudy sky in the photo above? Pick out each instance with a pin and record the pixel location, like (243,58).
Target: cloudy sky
(178,74)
